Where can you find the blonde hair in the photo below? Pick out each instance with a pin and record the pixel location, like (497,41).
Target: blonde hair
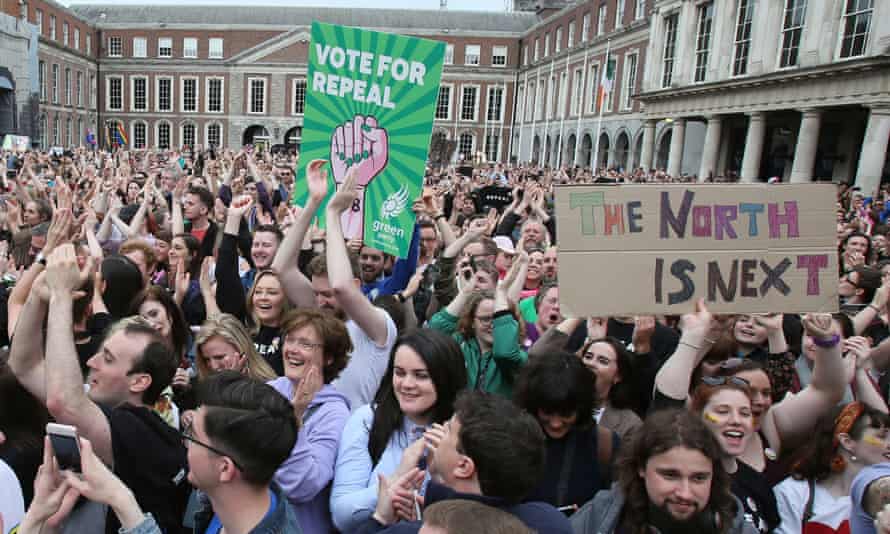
(232,331)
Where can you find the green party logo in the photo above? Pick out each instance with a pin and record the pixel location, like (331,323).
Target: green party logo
(370,106)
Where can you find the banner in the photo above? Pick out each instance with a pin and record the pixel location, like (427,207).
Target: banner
(19,143)
(370,99)
(656,249)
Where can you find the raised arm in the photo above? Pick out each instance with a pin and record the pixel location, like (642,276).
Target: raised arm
(178,221)
(66,399)
(370,319)
(296,285)
(867,314)
(673,379)
(791,421)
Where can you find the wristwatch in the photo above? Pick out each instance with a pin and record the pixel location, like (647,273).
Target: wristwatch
(40,259)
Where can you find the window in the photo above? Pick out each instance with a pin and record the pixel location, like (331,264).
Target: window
(593,88)
(524,55)
(539,98)
(77,38)
(547,44)
(601,20)
(472,54)
(190,47)
(550,103)
(188,135)
(520,101)
(857,20)
(57,134)
(449,54)
(163,134)
(41,78)
(55,83)
(630,81)
(139,93)
(67,86)
(563,93)
(79,132)
(670,47)
(443,103)
(792,29)
(537,48)
(68,139)
(492,146)
(495,108)
(165,47)
(78,89)
(52,32)
(115,92)
(577,99)
(609,83)
(38,18)
(585,27)
(44,133)
(530,104)
(640,10)
(465,145)
(89,43)
(299,96)
(703,40)
(65,32)
(742,37)
(557,44)
(213,136)
(257,95)
(140,47)
(164,92)
(215,48)
(571,42)
(498,56)
(24,14)
(115,47)
(468,103)
(139,134)
(92,91)
(189,92)
(214,95)
(619,13)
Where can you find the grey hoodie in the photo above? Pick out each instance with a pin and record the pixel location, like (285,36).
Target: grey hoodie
(601,514)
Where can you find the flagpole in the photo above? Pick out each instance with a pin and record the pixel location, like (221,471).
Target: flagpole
(602,103)
(524,105)
(581,109)
(531,148)
(562,113)
(547,117)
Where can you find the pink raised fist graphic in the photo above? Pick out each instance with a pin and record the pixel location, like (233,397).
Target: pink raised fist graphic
(359,143)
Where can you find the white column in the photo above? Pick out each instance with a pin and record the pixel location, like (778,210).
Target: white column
(711,149)
(648,145)
(874,150)
(678,137)
(807,142)
(753,146)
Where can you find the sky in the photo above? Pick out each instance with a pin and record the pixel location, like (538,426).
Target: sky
(456,5)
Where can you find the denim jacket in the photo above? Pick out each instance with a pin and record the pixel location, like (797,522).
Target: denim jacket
(282,520)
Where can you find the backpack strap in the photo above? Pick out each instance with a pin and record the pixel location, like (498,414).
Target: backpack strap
(808,510)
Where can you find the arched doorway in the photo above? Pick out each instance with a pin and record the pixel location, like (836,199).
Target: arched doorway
(568,157)
(254,134)
(586,148)
(621,148)
(637,159)
(557,146)
(547,146)
(664,150)
(293,137)
(7,102)
(603,151)
(536,150)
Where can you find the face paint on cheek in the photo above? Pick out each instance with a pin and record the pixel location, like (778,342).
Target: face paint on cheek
(711,417)
(871,440)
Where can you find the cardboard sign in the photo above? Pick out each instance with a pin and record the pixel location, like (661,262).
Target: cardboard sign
(656,249)
(370,99)
(19,143)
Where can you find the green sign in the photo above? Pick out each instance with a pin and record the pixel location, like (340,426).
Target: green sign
(370,99)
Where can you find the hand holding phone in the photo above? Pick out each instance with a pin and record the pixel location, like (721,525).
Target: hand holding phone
(66,446)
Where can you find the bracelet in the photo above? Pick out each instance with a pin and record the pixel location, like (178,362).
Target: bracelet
(400,297)
(690,345)
(439,216)
(710,341)
(875,308)
(827,343)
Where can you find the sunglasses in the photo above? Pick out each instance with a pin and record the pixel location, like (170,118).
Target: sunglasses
(725,380)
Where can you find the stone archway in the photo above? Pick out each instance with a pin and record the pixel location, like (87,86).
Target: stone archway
(603,151)
(568,156)
(586,150)
(255,133)
(293,137)
(622,144)
(664,150)
(637,156)
(536,150)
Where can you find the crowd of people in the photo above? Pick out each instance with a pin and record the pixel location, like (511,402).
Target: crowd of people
(230,367)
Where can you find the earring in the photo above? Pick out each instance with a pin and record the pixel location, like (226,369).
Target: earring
(853,458)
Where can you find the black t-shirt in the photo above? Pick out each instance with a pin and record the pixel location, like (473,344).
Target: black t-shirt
(150,459)
(758,499)
(664,343)
(268,345)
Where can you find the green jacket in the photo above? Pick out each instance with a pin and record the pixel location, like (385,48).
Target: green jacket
(500,365)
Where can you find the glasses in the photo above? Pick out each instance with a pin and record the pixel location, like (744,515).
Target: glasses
(305,344)
(726,380)
(188,434)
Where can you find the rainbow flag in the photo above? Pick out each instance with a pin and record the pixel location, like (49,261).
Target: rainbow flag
(121,135)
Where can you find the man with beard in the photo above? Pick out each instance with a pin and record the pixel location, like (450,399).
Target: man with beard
(670,480)
(336,289)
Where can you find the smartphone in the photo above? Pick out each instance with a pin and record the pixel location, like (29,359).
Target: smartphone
(66,445)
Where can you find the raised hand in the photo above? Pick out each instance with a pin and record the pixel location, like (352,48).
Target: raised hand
(240,205)
(818,326)
(596,327)
(317,180)
(310,384)
(360,144)
(345,197)
(644,328)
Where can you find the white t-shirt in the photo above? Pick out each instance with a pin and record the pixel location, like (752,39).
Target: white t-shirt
(12,503)
(367,364)
(792,496)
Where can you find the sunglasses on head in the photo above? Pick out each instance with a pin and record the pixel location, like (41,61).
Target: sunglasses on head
(725,380)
